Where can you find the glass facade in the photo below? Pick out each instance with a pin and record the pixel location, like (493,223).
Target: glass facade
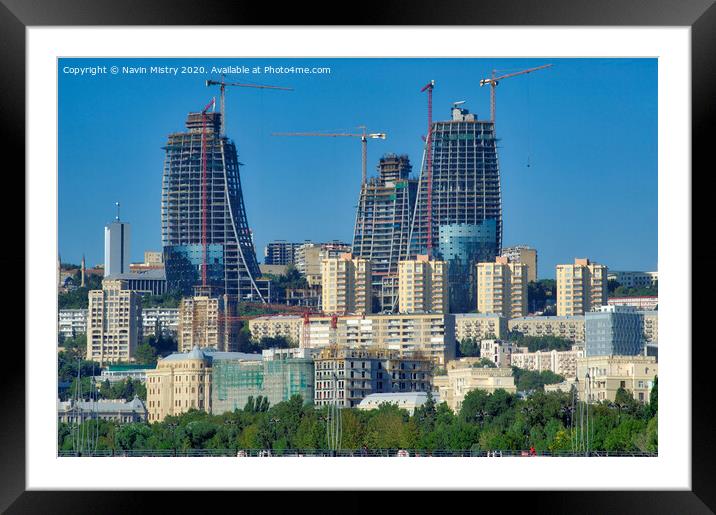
(613,333)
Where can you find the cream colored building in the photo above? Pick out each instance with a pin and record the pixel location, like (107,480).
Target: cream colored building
(423,286)
(608,373)
(463,377)
(502,288)
(114,323)
(346,285)
(651,325)
(287,326)
(180,382)
(309,256)
(431,334)
(480,326)
(581,287)
(563,363)
(498,351)
(523,254)
(203,323)
(569,327)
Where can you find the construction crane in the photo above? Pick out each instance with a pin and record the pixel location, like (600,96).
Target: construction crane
(494,81)
(363,135)
(222,97)
(429,164)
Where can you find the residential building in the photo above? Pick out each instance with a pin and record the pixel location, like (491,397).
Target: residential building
(206,321)
(648,303)
(422,286)
(273,269)
(498,351)
(465,180)
(120,410)
(382,228)
(568,327)
(206,236)
(116,248)
(182,381)
(309,256)
(502,288)
(279,375)
(119,372)
(280,252)
(346,285)
(651,325)
(152,261)
(480,326)
(581,287)
(114,323)
(408,401)
(462,246)
(523,254)
(634,279)
(72,322)
(563,363)
(614,330)
(160,320)
(271,326)
(346,376)
(465,375)
(599,377)
(430,334)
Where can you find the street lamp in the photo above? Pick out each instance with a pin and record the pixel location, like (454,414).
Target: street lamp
(173,425)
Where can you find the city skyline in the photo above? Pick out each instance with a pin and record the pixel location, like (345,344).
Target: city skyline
(123,123)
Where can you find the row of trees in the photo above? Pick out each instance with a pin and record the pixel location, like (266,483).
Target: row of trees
(484,422)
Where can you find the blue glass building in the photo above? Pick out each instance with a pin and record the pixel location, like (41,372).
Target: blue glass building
(614,331)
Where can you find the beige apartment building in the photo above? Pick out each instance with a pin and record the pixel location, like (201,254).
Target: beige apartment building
(608,373)
(114,323)
(523,254)
(465,375)
(581,287)
(423,286)
(203,323)
(569,327)
(346,285)
(431,334)
(270,326)
(563,363)
(651,325)
(502,288)
(346,376)
(480,326)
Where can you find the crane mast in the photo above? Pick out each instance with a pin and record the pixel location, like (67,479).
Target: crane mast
(494,81)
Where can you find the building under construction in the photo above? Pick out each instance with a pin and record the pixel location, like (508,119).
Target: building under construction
(382,227)
(205,233)
(462,161)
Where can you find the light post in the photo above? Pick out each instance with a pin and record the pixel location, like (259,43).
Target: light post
(173,426)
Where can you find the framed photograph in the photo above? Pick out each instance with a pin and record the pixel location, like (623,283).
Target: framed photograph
(419,252)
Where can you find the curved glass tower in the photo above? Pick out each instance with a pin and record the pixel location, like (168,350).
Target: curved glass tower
(231,265)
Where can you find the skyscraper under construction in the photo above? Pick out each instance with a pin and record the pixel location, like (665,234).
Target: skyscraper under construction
(203,214)
(465,181)
(462,212)
(382,227)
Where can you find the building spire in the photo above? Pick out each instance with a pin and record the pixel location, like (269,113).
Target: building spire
(117,204)
(82,274)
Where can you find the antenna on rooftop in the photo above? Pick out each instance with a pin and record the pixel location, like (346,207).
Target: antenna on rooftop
(117,204)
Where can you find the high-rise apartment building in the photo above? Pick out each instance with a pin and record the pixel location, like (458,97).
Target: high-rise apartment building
(308,257)
(114,323)
(203,214)
(116,248)
(614,330)
(423,285)
(502,288)
(465,180)
(206,321)
(581,287)
(523,254)
(280,253)
(346,285)
(382,226)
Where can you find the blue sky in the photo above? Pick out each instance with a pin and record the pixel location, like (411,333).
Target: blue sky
(587,127)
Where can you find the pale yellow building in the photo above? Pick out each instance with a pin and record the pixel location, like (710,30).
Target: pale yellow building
(465,375)
(114,323)
(423,286)
(523,254)
(431,334)
(651,325)
(502,288)
(203,323)
(608,373)
(270,326)
(346,285)
(581,287)
(563,363)
(569,327)
(480,326)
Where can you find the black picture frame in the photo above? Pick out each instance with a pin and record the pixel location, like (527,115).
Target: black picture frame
(17,15)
